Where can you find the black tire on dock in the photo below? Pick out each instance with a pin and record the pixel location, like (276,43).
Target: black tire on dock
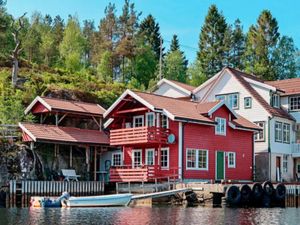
(266,201)
(268,188)
(257,191)
(233,195)
(280,192)
(245,193)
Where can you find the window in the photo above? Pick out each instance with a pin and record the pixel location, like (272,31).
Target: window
(275,100)
(247,102)
(298,168)
(231,159)
(294,103)
(138,121)
(286,133)
(285,163)
(150,119)
(150,157)
(197,159)
(278,131)
(117,159)
(164,122)
(221,126)
(136,158)
(260,135)
(231,99)
(164,158)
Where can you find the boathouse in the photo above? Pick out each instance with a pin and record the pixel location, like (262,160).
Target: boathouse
(69,135)
(163,136)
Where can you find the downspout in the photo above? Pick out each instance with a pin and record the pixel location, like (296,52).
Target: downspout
(180,149)
(269,147)
(253,160)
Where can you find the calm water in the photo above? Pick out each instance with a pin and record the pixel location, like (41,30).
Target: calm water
(155,215)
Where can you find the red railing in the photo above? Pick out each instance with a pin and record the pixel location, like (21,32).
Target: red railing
(139,174)
(139,135)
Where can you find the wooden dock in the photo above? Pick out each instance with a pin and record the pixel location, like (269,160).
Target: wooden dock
(19,192)
(161,194)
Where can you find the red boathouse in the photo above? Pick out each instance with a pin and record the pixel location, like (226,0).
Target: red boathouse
(162,136)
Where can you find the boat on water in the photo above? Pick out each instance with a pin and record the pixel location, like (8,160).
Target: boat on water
(98,201)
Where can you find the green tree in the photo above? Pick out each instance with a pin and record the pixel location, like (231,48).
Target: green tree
(237,48)
(72,45)
(88,33)
(104,68)
(212,43)
(58,33)
(195,75)
(261,43)
(285,59)
(174,66)
(150,32)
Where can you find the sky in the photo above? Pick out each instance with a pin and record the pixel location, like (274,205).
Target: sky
(181,17)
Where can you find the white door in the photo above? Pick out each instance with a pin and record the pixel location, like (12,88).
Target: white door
(136,158)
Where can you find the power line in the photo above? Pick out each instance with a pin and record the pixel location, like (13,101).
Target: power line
(183,46)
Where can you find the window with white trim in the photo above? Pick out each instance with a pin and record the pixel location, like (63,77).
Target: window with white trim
(220,128)
(247,102)
(164,158)
(294,103)
(136,158)
(231,99)
(278,131)
(164,121)
(138,121)
(220,97)
(286,133)
(150,119)
(276,100)
(260,135)
(231,159)
(117,159)
(150,157)
(285,163)
(196,159)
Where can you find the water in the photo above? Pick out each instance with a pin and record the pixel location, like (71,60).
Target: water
(146,215)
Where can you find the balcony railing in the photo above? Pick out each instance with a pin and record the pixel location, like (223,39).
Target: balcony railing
(141,174)
(296,148)
(139,135)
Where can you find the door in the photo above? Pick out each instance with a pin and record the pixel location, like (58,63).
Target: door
(220,166)
(136,158)
(278,168)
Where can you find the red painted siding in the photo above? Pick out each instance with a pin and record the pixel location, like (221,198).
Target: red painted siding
(39,108)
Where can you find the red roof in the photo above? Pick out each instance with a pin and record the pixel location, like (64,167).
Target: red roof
(278,112)
(60,105)
(289,86)
(183,85)
(51,133)
(244,123)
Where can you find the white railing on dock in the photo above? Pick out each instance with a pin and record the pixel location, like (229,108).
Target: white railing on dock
(20,192)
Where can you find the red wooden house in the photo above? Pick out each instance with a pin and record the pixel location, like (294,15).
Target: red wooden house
(162,136)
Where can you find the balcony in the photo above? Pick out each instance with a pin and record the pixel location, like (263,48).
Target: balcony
(141,174)
(139,135)
(296,150)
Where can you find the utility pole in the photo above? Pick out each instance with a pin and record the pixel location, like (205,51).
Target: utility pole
(160,59)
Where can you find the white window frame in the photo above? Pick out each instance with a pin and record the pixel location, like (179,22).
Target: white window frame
(231,165)
(137,117)
(256,135)
(196,158)
(153,156)
(276,100)
(132,156)
(220,97)
(147,119)
(296,103)
(249,106)
(278,130)
(112,158)
(220,132)
(286,133)
(285,162)
(166,120)
(168,158)
(230,100)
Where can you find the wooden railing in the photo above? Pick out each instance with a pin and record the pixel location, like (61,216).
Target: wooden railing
(139,135)
(140,174)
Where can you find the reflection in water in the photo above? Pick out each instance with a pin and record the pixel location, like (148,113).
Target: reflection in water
(147,215)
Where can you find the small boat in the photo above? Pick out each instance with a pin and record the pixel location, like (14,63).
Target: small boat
(48,202)
(98,201)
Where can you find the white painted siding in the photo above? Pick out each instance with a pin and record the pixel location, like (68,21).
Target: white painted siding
(285,105)
(170,91)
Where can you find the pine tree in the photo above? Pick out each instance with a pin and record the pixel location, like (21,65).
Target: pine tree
(237,48)
(149,31)
(174,43)
(88,33)
(6,39)
(261,43)
(212,43)
(285,59)
(58,34)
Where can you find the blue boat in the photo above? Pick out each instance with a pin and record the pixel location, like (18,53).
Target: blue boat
(98,201)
